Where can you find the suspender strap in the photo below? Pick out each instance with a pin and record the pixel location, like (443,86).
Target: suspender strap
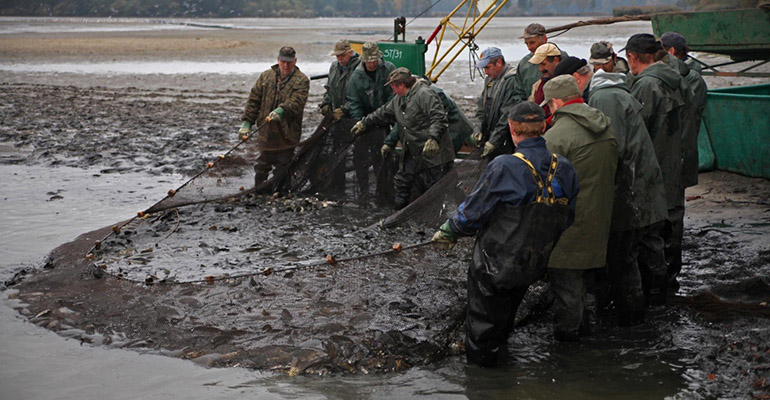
(542,188)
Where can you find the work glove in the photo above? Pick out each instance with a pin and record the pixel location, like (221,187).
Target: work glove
(338,114)
(384,150)
(245,129)
(358,128)
(326,110)
(476,138)
(488,148)
(275,115)
(430,148)
(445,236)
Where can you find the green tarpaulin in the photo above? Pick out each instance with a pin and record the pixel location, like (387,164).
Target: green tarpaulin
(735,132)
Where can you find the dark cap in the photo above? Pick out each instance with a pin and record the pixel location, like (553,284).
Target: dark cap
(526,111)
(398,75)
(287,53)
(569,66)
(533,30)
(601,53)
(642,43)
(675,40)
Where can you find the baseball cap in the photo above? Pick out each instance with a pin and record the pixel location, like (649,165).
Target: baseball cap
(397,75)
(560,87)
(601,53)
(526,111)
(675,40)
(543,51)
(342,47)
(642,43)
(568,66)
(287,53)
(487,56)
(533,30)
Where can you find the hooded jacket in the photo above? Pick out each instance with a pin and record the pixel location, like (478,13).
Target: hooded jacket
(271,92)
(337,83)
(640,199)
(365,95)
(657,89)
(420,116)
(584,136)
(493,104)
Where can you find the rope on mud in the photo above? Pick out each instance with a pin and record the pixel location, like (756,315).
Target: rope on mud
(329,260)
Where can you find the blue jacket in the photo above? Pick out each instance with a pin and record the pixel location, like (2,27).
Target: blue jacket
(508,180)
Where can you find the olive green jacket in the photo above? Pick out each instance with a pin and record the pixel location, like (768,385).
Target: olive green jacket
(493,124)
(271,92)
(640,199)
(337,83)
(584,136)
(526,76)
(657,88)
(420,116)
(365,95)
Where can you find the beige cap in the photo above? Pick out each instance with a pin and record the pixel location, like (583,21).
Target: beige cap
(342,47)
(560,87)
(543,51)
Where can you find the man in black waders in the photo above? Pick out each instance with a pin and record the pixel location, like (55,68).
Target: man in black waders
(518,210)
(422,131)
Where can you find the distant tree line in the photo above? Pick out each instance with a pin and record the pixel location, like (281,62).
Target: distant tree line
(322,8)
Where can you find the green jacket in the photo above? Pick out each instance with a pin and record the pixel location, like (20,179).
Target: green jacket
(459,126)
(365,95)
(526,76)
(269,93)
(491,119)
(337,83)
(640,199)
(584,136)
(420,116)
(692,128)
(657,88)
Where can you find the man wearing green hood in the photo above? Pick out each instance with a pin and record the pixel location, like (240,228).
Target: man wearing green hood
(584,136)
(657,87)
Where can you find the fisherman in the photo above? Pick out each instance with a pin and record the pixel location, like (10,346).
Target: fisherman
(520,206)
(639,206)
(676,46)
(603,57)
(278,98)
(546,57)
(657,88)
(584,136)
(334,102)
(693,90)
(527,73)
(496,98)
(366,92)
(422,130)
(460,128)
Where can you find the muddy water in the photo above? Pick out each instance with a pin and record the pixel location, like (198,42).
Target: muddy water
(675,354)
